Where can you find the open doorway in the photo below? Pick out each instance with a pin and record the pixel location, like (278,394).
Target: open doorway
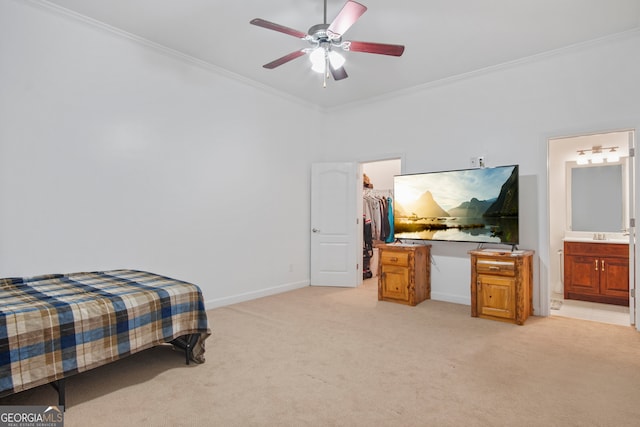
(377,191)
(586,208)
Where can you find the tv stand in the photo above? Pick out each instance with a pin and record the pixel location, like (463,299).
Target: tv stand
(404,273)
(502,285)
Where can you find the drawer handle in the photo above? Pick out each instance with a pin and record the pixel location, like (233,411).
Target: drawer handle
(494,268)
(394,259)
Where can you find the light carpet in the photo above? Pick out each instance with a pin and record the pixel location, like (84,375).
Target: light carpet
(339,357)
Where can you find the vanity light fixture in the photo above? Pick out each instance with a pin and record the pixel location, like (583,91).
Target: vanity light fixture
(613,155)
(596,155)
(582,158)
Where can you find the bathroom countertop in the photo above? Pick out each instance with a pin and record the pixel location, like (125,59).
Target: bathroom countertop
(592,240)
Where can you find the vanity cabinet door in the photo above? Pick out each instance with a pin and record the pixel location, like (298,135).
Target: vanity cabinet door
(582,275)
(614,277)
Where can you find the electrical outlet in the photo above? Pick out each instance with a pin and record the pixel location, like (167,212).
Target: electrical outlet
(477,162)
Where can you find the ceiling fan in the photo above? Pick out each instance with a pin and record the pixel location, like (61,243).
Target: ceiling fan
(325,39)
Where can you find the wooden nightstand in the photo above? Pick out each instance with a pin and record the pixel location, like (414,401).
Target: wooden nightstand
(502,285)
(404,273)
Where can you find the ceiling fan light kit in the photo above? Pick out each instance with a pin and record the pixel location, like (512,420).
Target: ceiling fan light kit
(319,57)
(325,39)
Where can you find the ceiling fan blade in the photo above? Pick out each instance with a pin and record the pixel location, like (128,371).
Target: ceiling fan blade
(277,27)
(349,14)
(379,48)
(290,57)
(338,73)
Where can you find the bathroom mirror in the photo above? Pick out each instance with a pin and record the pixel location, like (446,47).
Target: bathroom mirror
(597,202)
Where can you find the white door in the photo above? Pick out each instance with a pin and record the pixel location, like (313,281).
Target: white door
(336,222)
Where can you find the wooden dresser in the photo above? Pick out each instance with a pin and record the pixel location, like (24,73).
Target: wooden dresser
(502,285)
(404,273)
(597,272)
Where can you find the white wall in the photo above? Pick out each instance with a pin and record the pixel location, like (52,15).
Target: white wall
(117,155)
(506,114)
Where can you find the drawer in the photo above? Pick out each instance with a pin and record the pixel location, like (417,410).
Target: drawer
(493,266)
(400,258)
(596,249)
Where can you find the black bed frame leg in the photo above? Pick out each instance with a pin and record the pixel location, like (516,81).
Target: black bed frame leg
(59,386)
(186,342)
(191,342)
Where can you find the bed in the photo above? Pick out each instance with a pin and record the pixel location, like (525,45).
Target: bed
(54,326)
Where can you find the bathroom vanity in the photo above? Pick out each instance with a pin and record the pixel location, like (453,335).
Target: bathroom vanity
(597,271)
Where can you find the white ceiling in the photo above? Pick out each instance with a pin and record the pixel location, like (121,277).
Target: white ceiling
(443,38)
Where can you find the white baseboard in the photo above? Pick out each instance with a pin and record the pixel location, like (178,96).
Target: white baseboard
(456,299)
(247,296)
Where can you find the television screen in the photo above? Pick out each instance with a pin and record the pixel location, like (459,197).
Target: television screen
(471,205)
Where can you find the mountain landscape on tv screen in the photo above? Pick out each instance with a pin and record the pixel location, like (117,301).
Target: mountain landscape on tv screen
(494,219)
(473,208)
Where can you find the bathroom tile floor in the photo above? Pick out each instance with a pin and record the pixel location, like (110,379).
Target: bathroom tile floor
(605,313)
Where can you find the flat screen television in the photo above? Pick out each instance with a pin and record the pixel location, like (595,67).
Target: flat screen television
(470,205)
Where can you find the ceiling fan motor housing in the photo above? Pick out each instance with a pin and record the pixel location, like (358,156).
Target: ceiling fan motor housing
(318,34)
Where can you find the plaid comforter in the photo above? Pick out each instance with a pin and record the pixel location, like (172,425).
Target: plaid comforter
(58,325)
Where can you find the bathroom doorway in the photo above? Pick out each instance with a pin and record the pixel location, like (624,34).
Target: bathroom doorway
(571,158)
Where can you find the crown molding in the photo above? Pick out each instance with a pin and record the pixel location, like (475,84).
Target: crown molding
(164,50)
(491,69)
(347,106)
